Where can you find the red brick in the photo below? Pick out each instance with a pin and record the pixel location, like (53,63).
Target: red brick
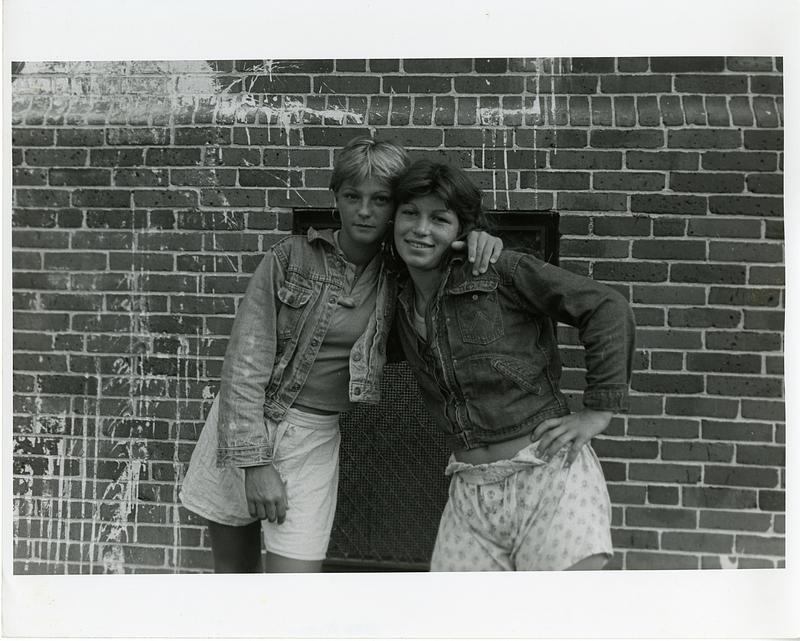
(387,65)
(704,139)
(625,449)
(724,362)
(621,225)
(759,139)
(704,182)
(765,183)
(667,383)
(694,110)
(724,228)
(437,65)
(697,542)
(743,341)
(765,112)
(716,110)
(665,473)
(636,539)
(591,201)
(772,500)
(623,138)
(32,137)
(718,497)
(761,455)
(739,161)
(602,115)
(746,205)
(626,493)
(752,63)
(563,83)
(586,160)
(507,84)
(671,361)
(741,476)
(661,517)
(444,113)
(696,451)
(660,561)
(422,112)
(706,84)
(279,137)
(668,204)
(632,84)
(766,276)
(419,85)
(765,545)
(158,157)
(766,85)
(661,160)
(556,180)
(698,407)
(666,249)
(704,317)
(745,386)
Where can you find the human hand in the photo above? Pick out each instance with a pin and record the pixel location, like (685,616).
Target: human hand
(265,492)
(482,249)
(578,428)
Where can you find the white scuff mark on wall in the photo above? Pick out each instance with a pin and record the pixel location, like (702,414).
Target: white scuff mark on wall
(728,562)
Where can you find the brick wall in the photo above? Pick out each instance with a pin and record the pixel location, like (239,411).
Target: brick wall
(145,192)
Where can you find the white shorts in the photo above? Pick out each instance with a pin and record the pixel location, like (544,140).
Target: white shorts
(306,455)
(524,514)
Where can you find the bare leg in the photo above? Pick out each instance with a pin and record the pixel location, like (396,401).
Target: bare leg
(278,563)
(594,562)
(236,549)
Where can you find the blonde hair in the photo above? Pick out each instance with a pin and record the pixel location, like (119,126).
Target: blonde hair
(364,158)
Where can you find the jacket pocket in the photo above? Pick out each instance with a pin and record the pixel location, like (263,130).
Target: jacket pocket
(480,320)
(526,377)
(294,296)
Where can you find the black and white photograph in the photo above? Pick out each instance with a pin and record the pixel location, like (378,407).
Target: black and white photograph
(357,320)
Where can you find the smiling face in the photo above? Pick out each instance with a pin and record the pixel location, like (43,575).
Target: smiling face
(366,210)
(424,229)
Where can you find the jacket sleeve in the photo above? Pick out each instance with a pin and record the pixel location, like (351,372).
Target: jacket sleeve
(604,320)
(247,369)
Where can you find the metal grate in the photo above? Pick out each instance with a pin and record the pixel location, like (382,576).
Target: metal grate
(392,487)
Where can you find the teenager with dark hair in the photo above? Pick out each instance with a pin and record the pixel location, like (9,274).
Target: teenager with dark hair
(527,491)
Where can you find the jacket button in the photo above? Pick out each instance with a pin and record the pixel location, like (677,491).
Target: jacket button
(357,390)
(332,299)
(474,297)
(537,389)
(356,356)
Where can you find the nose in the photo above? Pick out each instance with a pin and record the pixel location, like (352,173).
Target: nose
(421,226)
(363,208)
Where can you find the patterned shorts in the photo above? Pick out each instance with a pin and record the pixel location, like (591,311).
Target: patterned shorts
(306,454)
(524,514)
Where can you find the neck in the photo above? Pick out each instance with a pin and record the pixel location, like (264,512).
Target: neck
(355,252)
(426,284)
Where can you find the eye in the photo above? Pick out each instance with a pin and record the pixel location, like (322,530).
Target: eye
(382,200)
(351,196)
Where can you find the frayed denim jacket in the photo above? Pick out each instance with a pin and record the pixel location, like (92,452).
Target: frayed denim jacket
(490,369)
(279,327)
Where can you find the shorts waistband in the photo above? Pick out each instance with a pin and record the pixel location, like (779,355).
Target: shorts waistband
(299,418)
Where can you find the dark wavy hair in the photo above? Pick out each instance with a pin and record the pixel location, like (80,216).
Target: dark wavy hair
(451,184)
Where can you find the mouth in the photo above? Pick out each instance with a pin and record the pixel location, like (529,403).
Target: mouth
(417,244)
(364,226)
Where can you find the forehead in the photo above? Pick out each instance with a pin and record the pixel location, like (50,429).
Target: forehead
(368,186)
(428,202)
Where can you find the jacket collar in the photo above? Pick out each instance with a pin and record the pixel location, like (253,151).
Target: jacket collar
(323,235)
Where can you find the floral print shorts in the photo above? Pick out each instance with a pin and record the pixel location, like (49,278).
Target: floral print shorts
(524,514)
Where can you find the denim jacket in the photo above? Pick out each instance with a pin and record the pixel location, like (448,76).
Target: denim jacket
(490,368)
(279,327)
